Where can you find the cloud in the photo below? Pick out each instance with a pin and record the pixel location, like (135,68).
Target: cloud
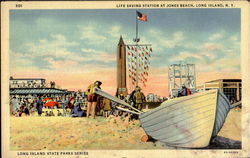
(176,40)
(92,33)
(97,55)
(165,40)
(211,47)
(115,31)
(18,60)
(54,53)
(170,48)
(183,56)
(211,56)
(216,36)
(229,63)
(55,45)
(234,38)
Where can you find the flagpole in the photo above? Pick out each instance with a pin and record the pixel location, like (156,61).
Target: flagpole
(136,40)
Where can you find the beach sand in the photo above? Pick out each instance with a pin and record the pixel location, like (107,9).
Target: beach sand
(67,133)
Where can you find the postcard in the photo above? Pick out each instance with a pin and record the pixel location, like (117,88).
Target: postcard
(125,79)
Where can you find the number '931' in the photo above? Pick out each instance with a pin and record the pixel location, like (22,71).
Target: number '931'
(19,5)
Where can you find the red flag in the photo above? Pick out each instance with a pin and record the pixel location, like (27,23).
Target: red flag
(141,16)
(151,49)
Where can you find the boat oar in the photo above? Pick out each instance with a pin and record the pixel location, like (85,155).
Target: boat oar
(115,99)
(235,105)
(126,110)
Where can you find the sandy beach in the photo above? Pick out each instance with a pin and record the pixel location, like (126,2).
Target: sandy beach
(67,133)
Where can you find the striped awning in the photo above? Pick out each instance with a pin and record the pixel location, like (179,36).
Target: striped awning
(36,91)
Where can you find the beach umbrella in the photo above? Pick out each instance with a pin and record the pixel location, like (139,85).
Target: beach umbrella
(51,104)
(46,99)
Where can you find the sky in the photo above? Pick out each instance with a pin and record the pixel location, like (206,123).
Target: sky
(77,47)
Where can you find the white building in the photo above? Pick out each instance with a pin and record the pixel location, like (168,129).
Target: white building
(27,82)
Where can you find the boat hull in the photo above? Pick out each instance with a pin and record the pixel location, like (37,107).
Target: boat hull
(188,121)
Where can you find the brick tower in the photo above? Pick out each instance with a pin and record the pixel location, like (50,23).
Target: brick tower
(121,68)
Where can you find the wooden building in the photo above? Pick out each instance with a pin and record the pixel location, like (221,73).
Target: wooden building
(230,87)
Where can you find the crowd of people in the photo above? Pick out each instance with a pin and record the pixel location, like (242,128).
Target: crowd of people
(76,104)
(28,104)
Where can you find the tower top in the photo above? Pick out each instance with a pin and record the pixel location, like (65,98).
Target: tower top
(121,41)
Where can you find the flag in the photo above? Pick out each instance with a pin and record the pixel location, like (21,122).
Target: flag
(141,16)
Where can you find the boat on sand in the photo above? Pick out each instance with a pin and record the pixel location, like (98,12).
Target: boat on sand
(189,121)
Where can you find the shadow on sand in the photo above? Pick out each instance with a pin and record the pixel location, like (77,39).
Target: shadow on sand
(224,143)
(216,143)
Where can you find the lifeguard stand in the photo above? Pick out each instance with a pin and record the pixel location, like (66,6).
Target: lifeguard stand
(179,74)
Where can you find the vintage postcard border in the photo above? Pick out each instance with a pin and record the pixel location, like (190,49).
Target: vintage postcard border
(245,58)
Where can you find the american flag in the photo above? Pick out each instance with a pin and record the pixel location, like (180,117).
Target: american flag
(141,16)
